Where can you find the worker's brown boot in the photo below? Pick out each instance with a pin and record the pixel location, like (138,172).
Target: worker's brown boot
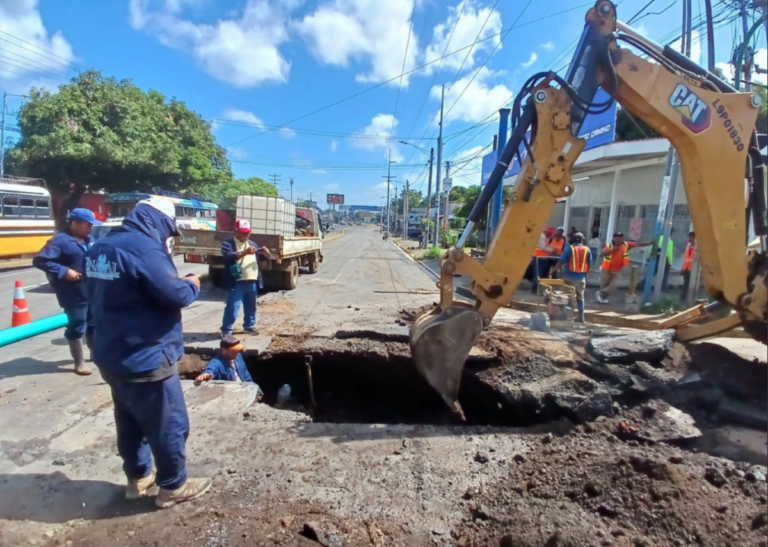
(76,350)
(192,489)
(138,488)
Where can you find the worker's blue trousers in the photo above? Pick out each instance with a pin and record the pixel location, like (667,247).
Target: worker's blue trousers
(151,420)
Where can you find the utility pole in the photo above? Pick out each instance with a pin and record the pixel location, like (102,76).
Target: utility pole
(710,36)
(447,195)
(429,194)
(439,159)
(746,77)
(2,136)
(311,197)
(405,210)
(394,229)
(389,178)
(275,180)
(291,188)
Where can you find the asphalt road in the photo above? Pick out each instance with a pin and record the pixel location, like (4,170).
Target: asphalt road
(40,298)
(362,283)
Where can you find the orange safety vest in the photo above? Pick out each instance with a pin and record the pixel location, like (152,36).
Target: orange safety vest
(579,258)
(608,259)
(688,258)
(557,246)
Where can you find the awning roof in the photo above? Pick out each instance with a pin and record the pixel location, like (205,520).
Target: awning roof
(620,153)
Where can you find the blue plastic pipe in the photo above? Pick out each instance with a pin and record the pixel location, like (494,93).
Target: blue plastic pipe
(14,334)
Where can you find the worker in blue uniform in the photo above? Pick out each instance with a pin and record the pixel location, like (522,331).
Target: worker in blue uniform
(63,260)
(228,363)
(136,296)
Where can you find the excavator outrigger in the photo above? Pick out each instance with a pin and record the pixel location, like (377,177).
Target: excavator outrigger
(712,128)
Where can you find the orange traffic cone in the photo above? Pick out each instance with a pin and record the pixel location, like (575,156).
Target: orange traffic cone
(20,311)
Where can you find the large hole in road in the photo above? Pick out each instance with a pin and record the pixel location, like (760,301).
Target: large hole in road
(371,388)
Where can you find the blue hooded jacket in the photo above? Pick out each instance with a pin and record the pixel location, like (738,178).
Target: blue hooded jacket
(62,253)
(136,295)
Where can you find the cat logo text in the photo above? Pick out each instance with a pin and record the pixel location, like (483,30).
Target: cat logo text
(696,114)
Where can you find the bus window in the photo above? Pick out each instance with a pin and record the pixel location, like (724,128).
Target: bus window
(43,208)
(27,207)
(10,206)
(179,211)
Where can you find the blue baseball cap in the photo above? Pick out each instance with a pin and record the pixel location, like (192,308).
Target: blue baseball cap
(81,213)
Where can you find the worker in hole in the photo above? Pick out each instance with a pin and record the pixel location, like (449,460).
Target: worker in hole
(63,261)
(228,364)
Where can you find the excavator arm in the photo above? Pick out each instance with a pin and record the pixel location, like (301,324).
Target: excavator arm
(709,124)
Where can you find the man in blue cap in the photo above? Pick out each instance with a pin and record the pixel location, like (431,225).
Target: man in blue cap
(137,296)
(63,260)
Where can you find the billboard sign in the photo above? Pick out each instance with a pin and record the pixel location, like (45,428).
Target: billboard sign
(335,199)
(489,162)
(597,129)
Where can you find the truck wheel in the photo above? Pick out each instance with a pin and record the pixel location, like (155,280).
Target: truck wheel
(215,274)
(314,264)
(291,276)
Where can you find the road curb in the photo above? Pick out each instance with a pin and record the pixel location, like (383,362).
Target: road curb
(334,237)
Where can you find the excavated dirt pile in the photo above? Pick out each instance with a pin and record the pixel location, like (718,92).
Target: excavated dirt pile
(572,440)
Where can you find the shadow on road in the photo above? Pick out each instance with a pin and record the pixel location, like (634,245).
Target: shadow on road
(55,498)
(28,366)
(41,289)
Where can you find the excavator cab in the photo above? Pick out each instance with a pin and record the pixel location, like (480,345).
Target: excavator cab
(710,125)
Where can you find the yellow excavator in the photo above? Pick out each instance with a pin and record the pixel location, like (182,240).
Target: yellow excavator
(712,128)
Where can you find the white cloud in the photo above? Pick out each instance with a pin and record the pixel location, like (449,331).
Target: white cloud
(334,145)
(242,51)
(548,46)
(532,59)
(479,99)
(25,64)
(236,153)
(237,115)
(331,187)
(467,27)
(380,126)
(340,32)
(244,116)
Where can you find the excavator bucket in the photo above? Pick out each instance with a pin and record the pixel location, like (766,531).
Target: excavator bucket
(440,343)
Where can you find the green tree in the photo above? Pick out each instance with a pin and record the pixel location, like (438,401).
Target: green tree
(631,128)
(102,133)
(225,195)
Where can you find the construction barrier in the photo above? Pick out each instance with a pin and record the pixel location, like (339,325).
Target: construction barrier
(14,334)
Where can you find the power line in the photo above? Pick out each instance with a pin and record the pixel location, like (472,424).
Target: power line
(67,61)
(394,78)
(434,74)
(495,49)
(402,70)
(66,65)
(35,61)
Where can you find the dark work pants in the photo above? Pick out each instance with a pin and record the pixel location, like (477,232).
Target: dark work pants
(151,420)
(665,277)
(79,322)
(686,283)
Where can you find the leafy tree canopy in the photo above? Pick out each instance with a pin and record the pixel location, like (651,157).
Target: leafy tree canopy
(226,194)
(101,133)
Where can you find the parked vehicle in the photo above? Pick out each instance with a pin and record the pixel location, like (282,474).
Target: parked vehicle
(26,220)
(274,224)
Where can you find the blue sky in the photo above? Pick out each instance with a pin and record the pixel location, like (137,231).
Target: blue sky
(252,65)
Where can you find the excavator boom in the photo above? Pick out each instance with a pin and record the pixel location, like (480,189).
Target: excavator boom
(709,124)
